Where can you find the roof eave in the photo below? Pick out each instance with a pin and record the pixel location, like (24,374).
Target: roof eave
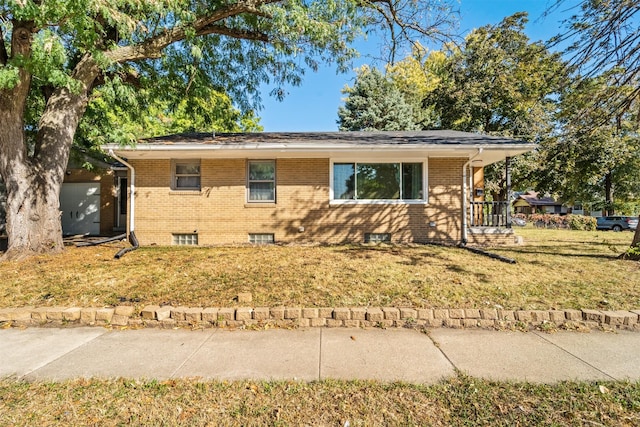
(322,147)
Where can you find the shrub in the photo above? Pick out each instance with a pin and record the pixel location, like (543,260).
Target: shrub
(573,222)
(581,222)
(548,221)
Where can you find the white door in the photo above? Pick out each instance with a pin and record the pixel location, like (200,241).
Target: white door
(80,206)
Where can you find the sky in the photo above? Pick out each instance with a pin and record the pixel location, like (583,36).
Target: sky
(313,106)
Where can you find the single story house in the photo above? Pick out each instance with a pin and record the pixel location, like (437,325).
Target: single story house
(322,187)
(529,203)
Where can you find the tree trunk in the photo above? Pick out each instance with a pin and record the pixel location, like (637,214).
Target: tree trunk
(33,175)
(33,213)
(608,194)
(636,238)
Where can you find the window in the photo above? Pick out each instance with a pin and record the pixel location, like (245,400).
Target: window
(261,181)
(377,237)
(378,181)
(186,175)
(261,238)
(185,239)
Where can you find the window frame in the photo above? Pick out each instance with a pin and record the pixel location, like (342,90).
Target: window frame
(250,181)
(175,175)
(184,239)
(258,239)
(399,161)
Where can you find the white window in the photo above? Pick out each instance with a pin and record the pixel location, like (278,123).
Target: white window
(261,238)
(377,237)
(189,239)
(261,181)
(186,175)
(375,181)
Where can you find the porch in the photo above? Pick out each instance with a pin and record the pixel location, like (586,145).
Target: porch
(489,214)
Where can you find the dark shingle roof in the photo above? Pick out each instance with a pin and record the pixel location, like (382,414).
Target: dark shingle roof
(432,137)
(532,199)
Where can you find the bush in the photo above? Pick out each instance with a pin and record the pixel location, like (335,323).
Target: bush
(581,222)
(548,221)
(573,222)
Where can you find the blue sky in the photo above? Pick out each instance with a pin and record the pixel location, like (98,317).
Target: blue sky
(313,106)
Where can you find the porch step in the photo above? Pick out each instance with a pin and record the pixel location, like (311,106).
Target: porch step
(490,230)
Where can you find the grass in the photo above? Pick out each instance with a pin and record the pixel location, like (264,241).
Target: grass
(562,269)
(458,401)
(555,269)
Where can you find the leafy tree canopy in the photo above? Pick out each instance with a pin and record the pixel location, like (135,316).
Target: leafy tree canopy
(591,160)
(499,82)
(416,76)
(604,36)
(374,103)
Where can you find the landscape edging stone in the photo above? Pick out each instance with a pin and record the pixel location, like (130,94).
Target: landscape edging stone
(157,316)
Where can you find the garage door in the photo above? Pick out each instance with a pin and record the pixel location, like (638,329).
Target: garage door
(80,206)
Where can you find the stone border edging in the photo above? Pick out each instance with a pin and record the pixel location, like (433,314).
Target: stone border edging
(287,317)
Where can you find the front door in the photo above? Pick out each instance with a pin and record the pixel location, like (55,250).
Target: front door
(121,217)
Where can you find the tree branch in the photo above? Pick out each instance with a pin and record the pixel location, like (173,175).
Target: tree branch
(233,32)
(152,48)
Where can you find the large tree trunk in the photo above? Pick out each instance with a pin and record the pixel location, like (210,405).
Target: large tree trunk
(33,175)
(33,214)
(33,189)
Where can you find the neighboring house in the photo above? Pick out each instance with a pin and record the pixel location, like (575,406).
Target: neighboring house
(331,187)
(529,203)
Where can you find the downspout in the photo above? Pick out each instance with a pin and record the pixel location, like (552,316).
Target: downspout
(464,196)
(132,197)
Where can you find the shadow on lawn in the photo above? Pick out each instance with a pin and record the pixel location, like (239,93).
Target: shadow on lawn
(456,268)
(410,255)
(553,250)
(425,253)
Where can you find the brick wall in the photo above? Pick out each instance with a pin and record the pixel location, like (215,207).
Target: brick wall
(220,214)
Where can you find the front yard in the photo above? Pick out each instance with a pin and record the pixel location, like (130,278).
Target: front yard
(555,269)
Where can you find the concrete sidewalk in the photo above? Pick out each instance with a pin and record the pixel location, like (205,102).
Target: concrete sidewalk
(318,353)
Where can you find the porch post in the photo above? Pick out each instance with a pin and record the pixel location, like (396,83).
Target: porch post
(508,189)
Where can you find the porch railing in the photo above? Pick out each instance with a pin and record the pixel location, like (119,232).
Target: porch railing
(489,214)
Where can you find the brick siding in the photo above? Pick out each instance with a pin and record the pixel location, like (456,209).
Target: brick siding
(220,214)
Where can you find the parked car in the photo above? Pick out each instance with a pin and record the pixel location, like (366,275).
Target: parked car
(519,222)
(617,223)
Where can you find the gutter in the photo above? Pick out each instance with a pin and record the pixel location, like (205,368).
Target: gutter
(464,196)
(132,198)
(310,147)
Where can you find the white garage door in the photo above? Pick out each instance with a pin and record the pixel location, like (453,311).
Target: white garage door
(80,206)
